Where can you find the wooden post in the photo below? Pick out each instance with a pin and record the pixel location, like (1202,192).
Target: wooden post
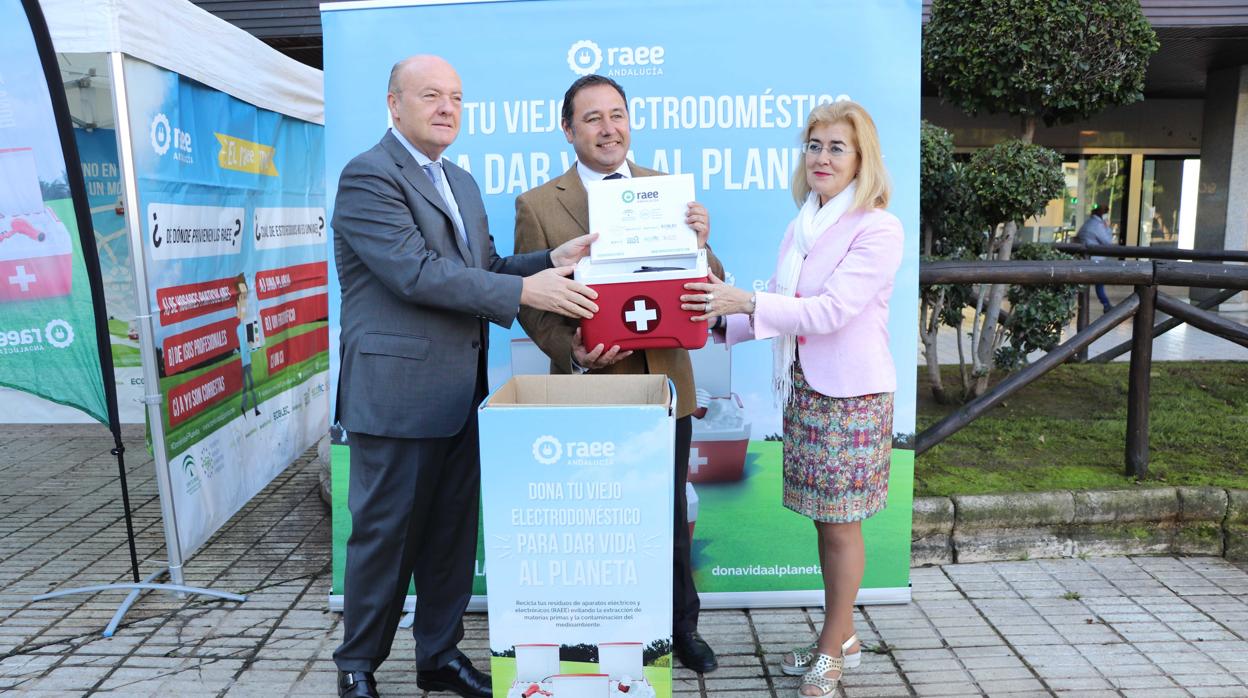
(1138,388)
(1081,320)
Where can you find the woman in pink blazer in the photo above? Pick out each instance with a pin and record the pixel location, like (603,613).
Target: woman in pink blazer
(827,310)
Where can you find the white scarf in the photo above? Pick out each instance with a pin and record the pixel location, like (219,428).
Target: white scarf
(811,222)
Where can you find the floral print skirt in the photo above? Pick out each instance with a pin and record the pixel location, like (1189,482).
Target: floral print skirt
(836,453)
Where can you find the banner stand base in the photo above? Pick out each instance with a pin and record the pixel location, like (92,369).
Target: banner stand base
(135,589)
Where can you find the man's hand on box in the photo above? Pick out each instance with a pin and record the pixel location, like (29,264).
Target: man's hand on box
(600,357)
(553,292)
(571,252)
(698,218)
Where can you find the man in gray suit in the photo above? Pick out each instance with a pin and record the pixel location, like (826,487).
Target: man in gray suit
(420,280)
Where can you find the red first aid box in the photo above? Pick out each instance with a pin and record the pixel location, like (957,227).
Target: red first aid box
(721,431)
(639,302)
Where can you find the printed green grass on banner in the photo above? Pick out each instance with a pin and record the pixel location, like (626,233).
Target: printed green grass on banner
(503,673)
(744,533)
(340,472)
(126,357)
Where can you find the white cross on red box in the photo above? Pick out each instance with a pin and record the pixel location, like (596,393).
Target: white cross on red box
(22,278)
(641,315)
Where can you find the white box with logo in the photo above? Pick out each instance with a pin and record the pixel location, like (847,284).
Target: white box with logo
(577,499)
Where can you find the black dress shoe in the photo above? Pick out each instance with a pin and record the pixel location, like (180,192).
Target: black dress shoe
(694,653)
(357,684)
(458,676)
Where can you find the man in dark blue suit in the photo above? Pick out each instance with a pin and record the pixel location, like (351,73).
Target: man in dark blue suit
(420,281)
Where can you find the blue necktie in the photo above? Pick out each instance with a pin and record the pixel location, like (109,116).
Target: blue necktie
(434,170)
(614,175)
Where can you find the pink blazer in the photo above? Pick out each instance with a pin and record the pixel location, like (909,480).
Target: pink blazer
(840,313)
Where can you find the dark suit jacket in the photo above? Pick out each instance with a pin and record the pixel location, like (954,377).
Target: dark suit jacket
(415,299)
(552,214)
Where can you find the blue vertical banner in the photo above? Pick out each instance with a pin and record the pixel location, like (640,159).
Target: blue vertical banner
(232,200)
(716,89)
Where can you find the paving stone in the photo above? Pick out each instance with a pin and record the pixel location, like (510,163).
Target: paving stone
(1086,684)
(1161,626)
(947,689)
(1013,687)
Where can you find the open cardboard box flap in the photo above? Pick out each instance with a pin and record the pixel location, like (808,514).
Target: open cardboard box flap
(549,391)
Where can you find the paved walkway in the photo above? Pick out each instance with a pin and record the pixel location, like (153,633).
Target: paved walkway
(1096,627)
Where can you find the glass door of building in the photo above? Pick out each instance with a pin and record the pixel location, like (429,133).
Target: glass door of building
(1168,194)
(1090,179)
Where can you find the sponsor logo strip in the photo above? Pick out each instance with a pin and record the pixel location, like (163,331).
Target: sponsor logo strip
(181,351)
(275,282)
(296,312)
(298,348)
(178,303)
(200,393)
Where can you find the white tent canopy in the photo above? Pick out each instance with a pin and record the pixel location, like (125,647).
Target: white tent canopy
(178,36)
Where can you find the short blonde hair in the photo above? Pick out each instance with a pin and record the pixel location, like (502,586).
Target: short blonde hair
(873,187)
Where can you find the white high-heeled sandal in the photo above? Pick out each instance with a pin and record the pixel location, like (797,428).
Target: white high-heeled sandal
(817,676)
(803,656)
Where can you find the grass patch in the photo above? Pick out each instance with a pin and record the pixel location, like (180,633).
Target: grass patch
(1067,430)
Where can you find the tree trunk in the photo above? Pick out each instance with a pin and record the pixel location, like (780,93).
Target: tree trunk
(962,372)
(989,337)
(1029,129)
(929,327)
(927,239)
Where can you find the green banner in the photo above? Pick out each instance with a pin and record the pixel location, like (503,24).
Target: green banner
(47,320)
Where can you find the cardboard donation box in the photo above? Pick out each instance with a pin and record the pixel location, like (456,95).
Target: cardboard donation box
(36,252)
(643,257)
(721,434)
(576,489)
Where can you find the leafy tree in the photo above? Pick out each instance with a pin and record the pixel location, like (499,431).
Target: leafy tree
(1037,313)
(582,652)
(56,189)
(936,175)
(949,218)
(655,650)
(1011,181)
(1050,60)
(1040,60)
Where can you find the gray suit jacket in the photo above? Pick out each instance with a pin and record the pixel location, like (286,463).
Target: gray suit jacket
(415,299)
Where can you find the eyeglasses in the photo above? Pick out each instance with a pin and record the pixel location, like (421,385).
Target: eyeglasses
(835,150)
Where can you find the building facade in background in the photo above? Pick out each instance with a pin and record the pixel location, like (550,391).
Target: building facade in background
(1172,169)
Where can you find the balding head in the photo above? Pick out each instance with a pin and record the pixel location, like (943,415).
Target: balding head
(419,62)
(425,96)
